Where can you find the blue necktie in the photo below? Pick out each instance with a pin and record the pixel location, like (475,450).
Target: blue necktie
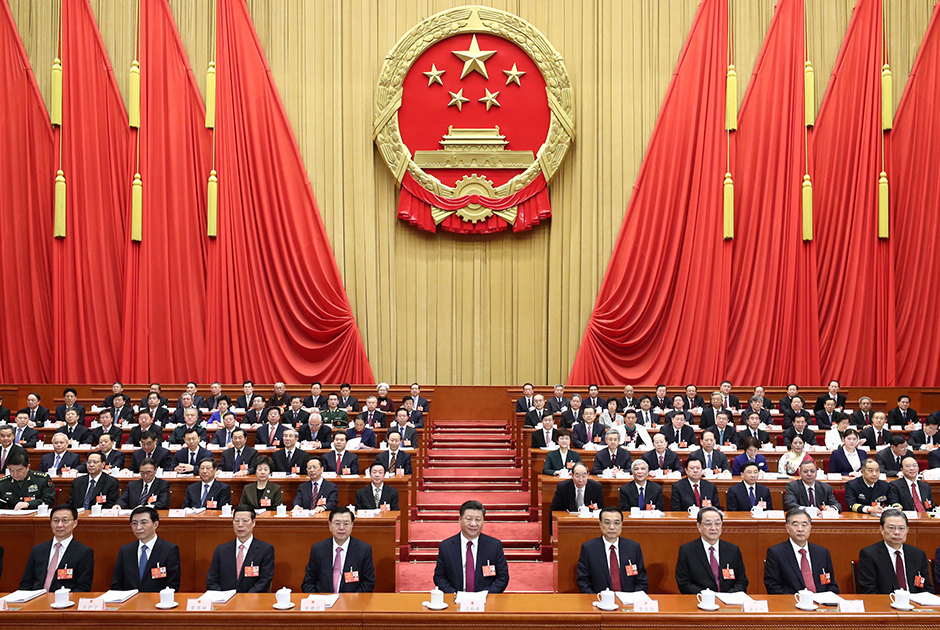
(709,463)
(143,563)
(89,494)
(642,499)
(19,434)
(205,492)
(238,460)
(753,498)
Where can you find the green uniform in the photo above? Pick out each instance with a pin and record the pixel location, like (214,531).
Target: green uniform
(34,489)
(338,418)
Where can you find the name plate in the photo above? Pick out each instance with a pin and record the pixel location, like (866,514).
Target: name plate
(649,606)
(755,606)
(198,605)
(91,603)
(312,605)
(473,605)
(3,604)
(177,513)
(829,514)
(852,606)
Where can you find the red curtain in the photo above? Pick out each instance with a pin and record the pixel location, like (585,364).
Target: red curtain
(915,222)
(165,284)
(276,301)
(663,307)
(88,264)
(855,268)
(773,329)
(25,216)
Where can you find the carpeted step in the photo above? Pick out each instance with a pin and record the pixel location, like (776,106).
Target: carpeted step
(471,485)
(443,473)
(511,534)
(510,553)
(492,500)
(429,515)
(469,425)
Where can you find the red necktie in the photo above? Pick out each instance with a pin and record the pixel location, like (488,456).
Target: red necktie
(899,569)
(660,462)
(880,441)
(713,561)
(812,497)
(614,571)
(808,581)
(918,504)
(698,497)
(470,570)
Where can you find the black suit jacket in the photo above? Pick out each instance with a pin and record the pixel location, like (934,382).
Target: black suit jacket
(324,436)
(78,557)
(652,493)
(555,406)
(318,576)
(378,418)
(177,418)
(538,437)
(522,404)
(739,500)
(349,401)
(219,492)
(534,418)
(350,460)
(298,460)
(594,573)
(182,457)
(553,461)
(263,436)
(789,415)
(794,495)
(249,457)
(858,419)
(888,461)
(719,459)
(221,576)
(134,436)
(60,417)
(602,460)
(107,487)
(580,437)
(303,417)
(809,437)
(117,435)
(272,492)
(708,417)
(824,422)
(694,573)
(858,495)
(448,574)
(670,461)
(402,460)
(125,415)
(899,492)
(69,460)
(126,574)
(686,434)
(79,432)
(244,401)
(783,576)
(14,449)
(821,401)
(327,490)
(871,438)
(569,419)
(222,437)
(565,500)
(114,459)
(740,436)
(933,459)
(158,494)
(41,417)
(683,496)
(365,498)
(876,570)
(722,438)
(162,456)
(917,439)
(319,402)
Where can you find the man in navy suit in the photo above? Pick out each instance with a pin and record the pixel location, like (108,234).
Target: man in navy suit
(567,491)
(693,490)
(71,397)
(95,488)
(38,414)
(148,490)
(187,459)
(319,494)
(421,404)
(796,563)
(387,495)
(295,415)
(150,564)
(207,492)
(878,564)
(60,457)
(661,458)
(339,455)
(246,564)
(290,459)
(486,567)
(272,432)
(641,492)
(601,556)
(239,459)
(107,425)
(73,429)
(710,456)
(62,561)
(613,456)
(341,563)
(151,449)
(223,435)
(588,431)
(394,458)
(113,458)
(120,412)
(676,431)
(709,562)
(747,494)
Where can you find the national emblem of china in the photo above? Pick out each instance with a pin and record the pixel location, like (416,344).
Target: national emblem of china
(473,117)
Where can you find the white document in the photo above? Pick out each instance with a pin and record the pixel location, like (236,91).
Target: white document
(328,600)
(628,599)
(925,599)
(17,513)
(19,597)
(118,597)
(827,598)
(464,596)
(218,597)
(733,599)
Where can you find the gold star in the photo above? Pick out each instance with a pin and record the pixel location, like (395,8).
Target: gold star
(490,99)
(458,100)
(512,76)
(434,76)
(474,59)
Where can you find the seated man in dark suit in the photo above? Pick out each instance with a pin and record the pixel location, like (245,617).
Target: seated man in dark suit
(316,400)
(909,493)
(358,574)
(107,425)
(395,459)
(877,433)
(60,458)
(190,421)
(319,495)
(693,490)
(558,403)
(179,416)
(159,399)
(271,433)
(415,417)
(295,415)
(709,562)
(23,434)
(148,490)
(187,458)
(145,424)
(723,430)
(244,565)
(72,429)
(889,459)
(198,401)
(491,573)
(573,414)
(796,563)
(571,494)
(613,456)
(807,491)
(8,448)
(861,417)
(223,435)
(38,414)
(867,494)
(120,411)
(641,492)
(747,494)
(150,449)
(902,415)
(244,400)
(629,400)
(290,459)
(711,457)
(926,438)
(834,395)
(207,492)
(239,459)
(62,561)
(709,415)
(534,417)
(562,458)
(95,488)
(116,388)
(524,404)
(339,460)
(546,434)
(316,432)
(373,416)
(752,430)
(365,434)
(877,564)
(347,402)
(378,494)
(588,433)
(71,402)
(827,417)
(113,458)
(676,431)
(756,403)
(799,428)
(611,562)
(795,410)
(150,564)
(661,458)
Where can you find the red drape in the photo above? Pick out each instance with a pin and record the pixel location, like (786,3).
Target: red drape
(276,301)
(663,307)
(773,336)
(915,224)
(165,285)
(26,162)
(88,264)
(855,269)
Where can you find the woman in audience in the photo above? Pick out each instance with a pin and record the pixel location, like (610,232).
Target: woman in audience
(610,417)
(835,435)
(848,460)
(224,403)
(790,463)
(385,404)
(262,493)
(750,454)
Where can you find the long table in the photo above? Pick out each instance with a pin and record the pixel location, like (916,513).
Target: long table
(660,538)
(197,537)
(394,611)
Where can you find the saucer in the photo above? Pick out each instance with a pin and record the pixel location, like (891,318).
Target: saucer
(440,606)
(712,607)
(807,608)
(65,605)
(167,606)
(900,607)
(597,604)
(286,606)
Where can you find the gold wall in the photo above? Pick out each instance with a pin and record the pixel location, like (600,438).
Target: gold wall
(444,308)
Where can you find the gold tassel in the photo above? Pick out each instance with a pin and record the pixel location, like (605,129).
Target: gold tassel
(134,109)
(213,197)
(210,96)
(137,208)
(887,98)
(729,207)
(55,115)
(731,100)
(807,208)
(809,93)
(58,230)
(883,205)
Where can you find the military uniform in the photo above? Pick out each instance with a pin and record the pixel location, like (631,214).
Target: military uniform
(34,489)
(338,418)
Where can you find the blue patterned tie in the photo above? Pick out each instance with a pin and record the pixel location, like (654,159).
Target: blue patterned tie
(143,563)
(642,499)
(753,498)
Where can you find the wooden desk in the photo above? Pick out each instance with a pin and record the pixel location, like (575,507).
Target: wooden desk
(197,537)
(660,539)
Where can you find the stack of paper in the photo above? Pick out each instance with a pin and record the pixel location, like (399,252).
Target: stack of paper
(628,599)
(328,600)
(118,597)
(21,596)
(218,597)
(733,599)
(827,598)
(925,599)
